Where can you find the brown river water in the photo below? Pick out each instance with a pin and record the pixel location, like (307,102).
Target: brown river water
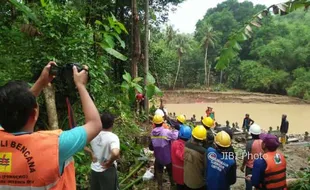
(265,115)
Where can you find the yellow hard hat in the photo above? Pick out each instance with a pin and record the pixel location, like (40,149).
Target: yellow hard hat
(158,119)
(181,118)
(199,132)
(222,139)
(208,121)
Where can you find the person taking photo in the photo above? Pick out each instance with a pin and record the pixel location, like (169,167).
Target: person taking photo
(43,158)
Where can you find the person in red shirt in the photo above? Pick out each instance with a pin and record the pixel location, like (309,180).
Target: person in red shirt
(140,102)
(177,156)
(210,113)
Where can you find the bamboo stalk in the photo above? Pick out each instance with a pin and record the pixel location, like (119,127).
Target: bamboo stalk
(132,183)
(133,172)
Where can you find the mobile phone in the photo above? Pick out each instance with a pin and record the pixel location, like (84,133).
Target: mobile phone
(54,70)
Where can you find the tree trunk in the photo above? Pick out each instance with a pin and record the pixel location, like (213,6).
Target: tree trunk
(206,66)
(221,77)
(209,74)
(49,95)
(146,53)
(136,52)
(178,70)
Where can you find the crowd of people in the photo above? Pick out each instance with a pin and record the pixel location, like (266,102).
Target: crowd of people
(200,158)
(195,158)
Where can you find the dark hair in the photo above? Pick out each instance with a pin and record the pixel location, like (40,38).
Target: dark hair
(16,105)
(184,139)
(222,149)
(272,149)
(206,127)
(158,125)
(228,131)
(107,120)
(197,140)
(254,136)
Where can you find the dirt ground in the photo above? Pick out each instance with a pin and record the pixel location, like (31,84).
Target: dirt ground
(296,156)
(232,96)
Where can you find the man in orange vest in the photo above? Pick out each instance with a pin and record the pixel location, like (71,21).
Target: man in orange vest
(269,172)
(40,160)
(253,150)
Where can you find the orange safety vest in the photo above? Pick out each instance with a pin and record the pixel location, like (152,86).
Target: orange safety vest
(30,161)
(275,173)
(256,152)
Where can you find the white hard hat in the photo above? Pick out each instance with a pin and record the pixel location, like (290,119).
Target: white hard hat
(159,112)
(255,129)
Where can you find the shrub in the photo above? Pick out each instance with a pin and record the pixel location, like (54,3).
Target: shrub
(301,85)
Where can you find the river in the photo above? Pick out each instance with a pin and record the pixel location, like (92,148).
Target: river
(265,115)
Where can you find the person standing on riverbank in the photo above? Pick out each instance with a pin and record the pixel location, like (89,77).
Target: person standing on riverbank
(284,129)
(269,171)
(161,144)
(195,160)
(177,156)
(105,150)
(208,123)
(221,170)
(210,113)
(140,102)
(253,150)
(247,122)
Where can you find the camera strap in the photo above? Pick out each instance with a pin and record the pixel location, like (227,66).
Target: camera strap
(71,118)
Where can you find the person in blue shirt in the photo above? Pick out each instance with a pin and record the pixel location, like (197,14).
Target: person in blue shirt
(247,122)
(19,112)
(221,168)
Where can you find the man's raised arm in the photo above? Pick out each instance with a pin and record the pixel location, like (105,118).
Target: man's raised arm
(92,117)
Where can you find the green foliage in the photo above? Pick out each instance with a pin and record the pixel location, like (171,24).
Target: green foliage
(259,78)
(230,51)
(82,168)
(107,35)
(301,85)
(303,182)
(219,88)
(26,10)
(131,86)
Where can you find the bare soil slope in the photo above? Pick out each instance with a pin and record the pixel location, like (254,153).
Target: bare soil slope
(234,96)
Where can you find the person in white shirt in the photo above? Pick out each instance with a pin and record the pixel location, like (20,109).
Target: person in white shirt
(105,150)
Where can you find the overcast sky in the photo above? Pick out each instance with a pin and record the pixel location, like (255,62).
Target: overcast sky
(189,12)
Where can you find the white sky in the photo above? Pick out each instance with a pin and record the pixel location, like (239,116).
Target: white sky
(189,12)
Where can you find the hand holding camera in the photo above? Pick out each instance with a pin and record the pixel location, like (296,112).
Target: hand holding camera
(71,73)
(45,76)
(80,78)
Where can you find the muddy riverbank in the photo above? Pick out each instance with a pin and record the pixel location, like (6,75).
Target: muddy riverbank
(264,109)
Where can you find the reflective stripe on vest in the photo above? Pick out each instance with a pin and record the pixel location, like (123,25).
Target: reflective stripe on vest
(26,164)
(275,173)
(159,137)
